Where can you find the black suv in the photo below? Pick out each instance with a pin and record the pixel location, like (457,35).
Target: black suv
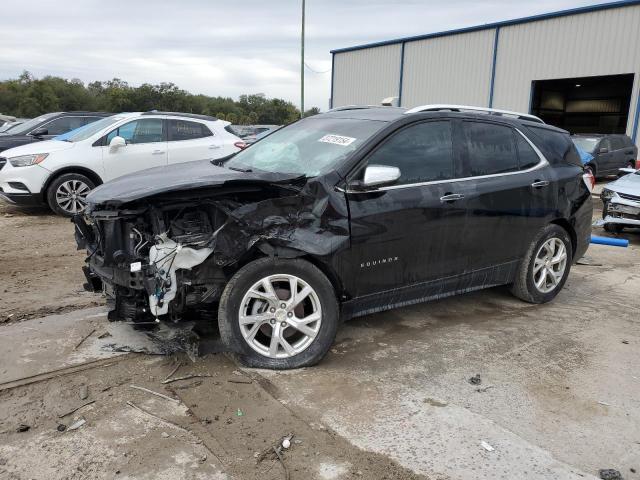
(47,126)
(610,152)
(346,213)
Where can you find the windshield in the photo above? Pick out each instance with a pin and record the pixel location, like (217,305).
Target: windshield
(88,131)
(585,143)
(310,147)
(29,125)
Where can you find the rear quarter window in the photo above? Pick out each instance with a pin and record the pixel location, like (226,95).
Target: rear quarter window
(556,146)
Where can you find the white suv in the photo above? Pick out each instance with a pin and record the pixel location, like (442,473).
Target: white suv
(61,172)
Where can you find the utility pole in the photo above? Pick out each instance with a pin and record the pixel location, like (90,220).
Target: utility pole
(302,65)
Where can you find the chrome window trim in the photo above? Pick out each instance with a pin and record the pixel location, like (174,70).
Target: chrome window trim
(543,163)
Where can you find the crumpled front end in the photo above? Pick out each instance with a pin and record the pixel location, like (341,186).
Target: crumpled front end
(621,209)
(171,255)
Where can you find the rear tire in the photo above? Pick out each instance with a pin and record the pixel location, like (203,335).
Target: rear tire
(67,194)
(257,307)
(544,269)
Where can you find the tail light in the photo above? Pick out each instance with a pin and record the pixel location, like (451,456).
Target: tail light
(240,145)
(589,180)
(638,164)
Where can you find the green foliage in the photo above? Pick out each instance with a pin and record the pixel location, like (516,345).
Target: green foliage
(27,96)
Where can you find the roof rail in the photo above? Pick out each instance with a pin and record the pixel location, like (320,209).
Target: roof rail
(467,108)
(352,107)
(181,114)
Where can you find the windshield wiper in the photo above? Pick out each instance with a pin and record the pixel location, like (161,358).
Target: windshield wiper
(238,169)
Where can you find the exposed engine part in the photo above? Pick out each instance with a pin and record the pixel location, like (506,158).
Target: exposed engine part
(167,256)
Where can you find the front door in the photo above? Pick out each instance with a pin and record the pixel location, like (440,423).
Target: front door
(146,147)
(409,233)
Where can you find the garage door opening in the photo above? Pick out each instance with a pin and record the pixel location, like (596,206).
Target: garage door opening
(586,104)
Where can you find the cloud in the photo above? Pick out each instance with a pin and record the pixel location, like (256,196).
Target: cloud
(222,47)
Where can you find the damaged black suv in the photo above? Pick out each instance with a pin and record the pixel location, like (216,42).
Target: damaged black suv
(350,212)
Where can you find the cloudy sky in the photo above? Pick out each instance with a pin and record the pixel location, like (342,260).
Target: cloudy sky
(225,47)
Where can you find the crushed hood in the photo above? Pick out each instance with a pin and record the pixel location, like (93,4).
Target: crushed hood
(176,177)
(629,184)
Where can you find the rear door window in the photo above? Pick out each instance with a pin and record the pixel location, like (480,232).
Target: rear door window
(556,146)
(490,149)
(617,143)
(423,153)
(63,125)
(186,130)
(527,156)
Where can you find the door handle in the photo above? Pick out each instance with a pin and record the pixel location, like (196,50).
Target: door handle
(451,197)
(539,184)
(157,152)
(214,147)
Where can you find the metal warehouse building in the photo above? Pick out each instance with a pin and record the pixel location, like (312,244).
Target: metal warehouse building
(578,69)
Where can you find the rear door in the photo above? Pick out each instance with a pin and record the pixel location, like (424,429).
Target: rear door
(405,234)
(509,196)
(606,161)
(146,147)
(190,140)
(630,152)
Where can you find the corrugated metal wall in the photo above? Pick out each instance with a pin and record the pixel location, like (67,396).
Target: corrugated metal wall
(457,68)
(597,43)
(366,77)
(452,69)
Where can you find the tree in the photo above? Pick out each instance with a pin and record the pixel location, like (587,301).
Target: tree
(27,96)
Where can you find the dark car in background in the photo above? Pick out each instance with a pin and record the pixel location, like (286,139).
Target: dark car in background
(343,214)
(47,126)
(610,152)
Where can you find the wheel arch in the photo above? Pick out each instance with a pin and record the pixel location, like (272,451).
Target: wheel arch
(90,174)
(267,250)
(564,223)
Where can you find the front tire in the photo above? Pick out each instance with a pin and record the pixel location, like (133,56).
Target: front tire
(545,267)
(267,325)
(67,194)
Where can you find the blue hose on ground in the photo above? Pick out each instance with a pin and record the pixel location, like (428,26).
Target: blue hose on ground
(613,242)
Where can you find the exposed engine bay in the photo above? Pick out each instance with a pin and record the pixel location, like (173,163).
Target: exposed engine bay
(170,255)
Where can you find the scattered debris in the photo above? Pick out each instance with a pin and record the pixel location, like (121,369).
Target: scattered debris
(168,422)
(175,400)
(626,342)
(475,380)
(23,427)
(632,470)
(486,446)
(61,428)
(172,372)
(484,389)
(82,340)
(104,335)
(588,261)
(239,413)
(164,435)
(186,377)
(276,453)
(286,441)
(610,474)
(240,380)
(203,458)
(84,392)
(188,385)
(76,409)
(435,403)
(604,403)
(77,424)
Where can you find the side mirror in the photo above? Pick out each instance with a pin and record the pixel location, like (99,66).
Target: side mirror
(116,143)
(39,132)
(376,176)
(603,150)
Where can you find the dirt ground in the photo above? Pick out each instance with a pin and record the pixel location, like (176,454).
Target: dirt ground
(40,268)
(558,397)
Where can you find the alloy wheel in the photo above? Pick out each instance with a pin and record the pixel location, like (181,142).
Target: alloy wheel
(280,316)
(71,196)
(549,265)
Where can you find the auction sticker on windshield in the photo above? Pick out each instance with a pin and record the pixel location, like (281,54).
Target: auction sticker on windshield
(337,140)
